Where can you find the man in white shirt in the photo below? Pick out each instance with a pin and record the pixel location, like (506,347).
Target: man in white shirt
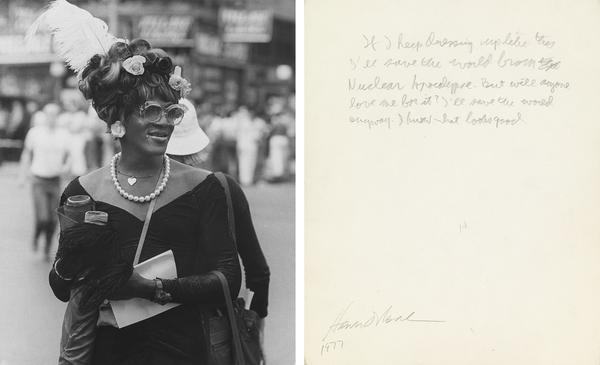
(44,159)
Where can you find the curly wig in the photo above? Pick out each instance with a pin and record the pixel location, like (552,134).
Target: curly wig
(114,92)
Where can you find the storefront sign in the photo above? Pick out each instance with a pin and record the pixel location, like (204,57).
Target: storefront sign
(26,81)
(236,51)
(238,25)
(173,29)
(15,19)
(211,45)
(208,44)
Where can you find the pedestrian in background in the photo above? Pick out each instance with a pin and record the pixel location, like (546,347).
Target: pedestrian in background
(280,146)
(251,130)
(222,132)
(45,158)
(75,122)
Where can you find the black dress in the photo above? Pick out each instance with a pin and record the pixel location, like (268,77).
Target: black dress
(195,227)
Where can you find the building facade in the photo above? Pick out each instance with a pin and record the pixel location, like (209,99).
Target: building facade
(201,35)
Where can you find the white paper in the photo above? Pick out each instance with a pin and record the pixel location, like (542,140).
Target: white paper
(134,310)
(452,205)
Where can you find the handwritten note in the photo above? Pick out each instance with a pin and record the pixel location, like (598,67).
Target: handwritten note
(452,182)
(402,80)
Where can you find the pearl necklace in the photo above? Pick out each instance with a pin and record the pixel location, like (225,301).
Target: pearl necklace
(135,198)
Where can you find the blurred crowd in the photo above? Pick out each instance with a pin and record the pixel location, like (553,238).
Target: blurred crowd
(249,143)
(252,144)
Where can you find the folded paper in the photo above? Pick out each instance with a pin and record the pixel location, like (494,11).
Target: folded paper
(134,310)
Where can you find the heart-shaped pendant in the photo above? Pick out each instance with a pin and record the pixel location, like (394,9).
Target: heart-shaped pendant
(131,180)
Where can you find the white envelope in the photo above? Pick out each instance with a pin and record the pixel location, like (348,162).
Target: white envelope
(137,309)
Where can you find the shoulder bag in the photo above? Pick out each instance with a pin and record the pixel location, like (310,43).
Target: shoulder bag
(242,323)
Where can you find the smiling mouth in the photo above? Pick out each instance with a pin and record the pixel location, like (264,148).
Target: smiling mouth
(158,135)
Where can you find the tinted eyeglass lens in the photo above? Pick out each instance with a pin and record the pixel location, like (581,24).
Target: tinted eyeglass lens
(174,114)
(152,113)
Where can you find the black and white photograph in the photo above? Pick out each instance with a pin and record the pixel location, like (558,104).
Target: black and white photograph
(147,182)
(282,182)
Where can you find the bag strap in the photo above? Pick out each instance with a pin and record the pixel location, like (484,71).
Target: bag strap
(138,251)
(230,216)
(235,334)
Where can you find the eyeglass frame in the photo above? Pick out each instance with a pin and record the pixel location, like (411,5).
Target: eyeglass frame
(163,111)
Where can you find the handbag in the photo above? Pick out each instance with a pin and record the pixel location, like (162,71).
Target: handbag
(240,322)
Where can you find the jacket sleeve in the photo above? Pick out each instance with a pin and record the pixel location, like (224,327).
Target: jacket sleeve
(219,253)
(62,288)
(255,265)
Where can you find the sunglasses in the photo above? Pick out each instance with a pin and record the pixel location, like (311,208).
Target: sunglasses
(153,112)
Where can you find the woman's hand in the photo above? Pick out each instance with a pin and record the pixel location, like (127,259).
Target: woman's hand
(136,287)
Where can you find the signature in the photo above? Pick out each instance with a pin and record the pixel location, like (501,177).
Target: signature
(376,319)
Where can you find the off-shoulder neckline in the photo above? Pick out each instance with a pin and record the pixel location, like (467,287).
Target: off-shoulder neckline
(190,191)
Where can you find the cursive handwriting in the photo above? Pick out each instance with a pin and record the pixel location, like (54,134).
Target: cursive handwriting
(376,84)
(491,119)
(376,319)
(432,79)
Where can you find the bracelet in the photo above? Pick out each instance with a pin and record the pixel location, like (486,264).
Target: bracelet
(160,296)
(58,274)
(158,287)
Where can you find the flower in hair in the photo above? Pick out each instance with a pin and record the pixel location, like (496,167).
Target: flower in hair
(117,129)
(134,65)
(179,83)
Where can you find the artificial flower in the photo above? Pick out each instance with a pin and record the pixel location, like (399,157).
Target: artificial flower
(179,83)
(134,65)
(117,129)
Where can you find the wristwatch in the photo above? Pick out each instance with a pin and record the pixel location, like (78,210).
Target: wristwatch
(160,295)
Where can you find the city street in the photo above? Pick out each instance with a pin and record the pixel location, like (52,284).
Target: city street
(30,316)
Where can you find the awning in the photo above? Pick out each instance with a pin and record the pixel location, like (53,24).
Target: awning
(28,58)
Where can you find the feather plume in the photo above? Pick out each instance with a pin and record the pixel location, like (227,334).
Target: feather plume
(78,35)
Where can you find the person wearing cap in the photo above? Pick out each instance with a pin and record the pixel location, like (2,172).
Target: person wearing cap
(188,139)
(186,144)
